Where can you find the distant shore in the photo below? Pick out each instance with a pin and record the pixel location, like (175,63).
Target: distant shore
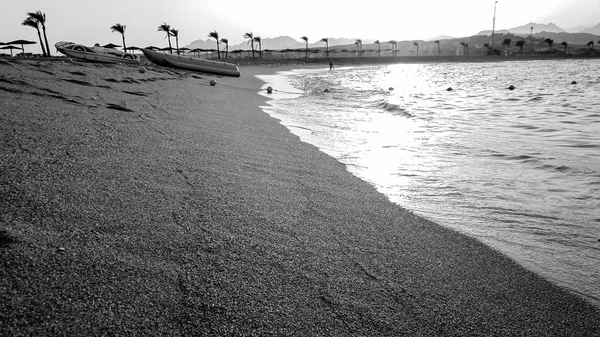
(403,59)
(152,203)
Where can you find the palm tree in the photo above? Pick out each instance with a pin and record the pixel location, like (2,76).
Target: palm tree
(590,44)
(489,49)
(564,44)
(326,40)
(358,44)
(550,42)
(394,46)
(250,38)
(416,45)
(506,43)
(31,22)
(226,42)
(117,27)
(520,44)
(40,17)
(175,33)
(305,39)
(378,47)
(167,29)
(258,40)
(438,43)
(215,36)
(465,48)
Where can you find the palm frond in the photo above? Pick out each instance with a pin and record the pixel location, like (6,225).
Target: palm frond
(31,22)
(117,27)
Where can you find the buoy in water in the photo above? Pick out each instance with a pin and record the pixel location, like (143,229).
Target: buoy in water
(213,82)
(449,89)
(391,89)
(269,90)
(326,90)
(574,82)
(512,87)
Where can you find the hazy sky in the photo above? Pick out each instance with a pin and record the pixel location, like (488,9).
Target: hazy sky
(88,22)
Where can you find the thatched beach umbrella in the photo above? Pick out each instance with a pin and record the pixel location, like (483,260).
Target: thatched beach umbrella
(184,49)
(132,49)
(21,42)
(196,51)
(152,48)
(209,50)
(169,49)
(237,52)
(11,49)
(110,45)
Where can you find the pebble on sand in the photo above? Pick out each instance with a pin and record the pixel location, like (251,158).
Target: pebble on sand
(512,87)
(213,82)
(449,89)
(574,82)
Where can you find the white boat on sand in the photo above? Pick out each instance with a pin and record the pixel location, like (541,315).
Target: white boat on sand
(96,53)
(191,63)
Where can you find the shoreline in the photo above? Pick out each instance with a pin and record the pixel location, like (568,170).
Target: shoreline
(155,203)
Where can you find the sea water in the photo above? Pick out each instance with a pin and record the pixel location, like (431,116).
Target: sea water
(517,169)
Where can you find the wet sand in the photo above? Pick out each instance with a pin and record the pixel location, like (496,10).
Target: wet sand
(155,204)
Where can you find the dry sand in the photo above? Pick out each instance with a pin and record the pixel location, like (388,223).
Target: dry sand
(155,204)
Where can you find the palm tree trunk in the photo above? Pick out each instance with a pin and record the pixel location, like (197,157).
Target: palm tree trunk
(42,43)
(124,46)
(170,47)
(46,39)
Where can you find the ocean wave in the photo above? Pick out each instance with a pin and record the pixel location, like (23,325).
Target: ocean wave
(393,108)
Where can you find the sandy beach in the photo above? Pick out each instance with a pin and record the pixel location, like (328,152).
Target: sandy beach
(152,203)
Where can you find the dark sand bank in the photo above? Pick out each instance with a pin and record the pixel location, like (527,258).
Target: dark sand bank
(155,204)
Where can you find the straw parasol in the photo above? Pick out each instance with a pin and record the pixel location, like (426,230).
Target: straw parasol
(132,49)
(152,48)
(11,49)
(110,45)
(197,51)
(167,49)
(21,42)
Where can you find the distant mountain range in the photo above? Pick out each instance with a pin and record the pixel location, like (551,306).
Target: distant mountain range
(539,28)
(578,35)
(277,43)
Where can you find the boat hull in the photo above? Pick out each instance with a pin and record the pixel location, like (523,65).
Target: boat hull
(93,54)
(193,64)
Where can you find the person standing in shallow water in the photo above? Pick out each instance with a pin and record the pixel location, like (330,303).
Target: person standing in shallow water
(330,65)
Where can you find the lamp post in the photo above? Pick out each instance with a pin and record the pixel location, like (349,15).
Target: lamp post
(494,24)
